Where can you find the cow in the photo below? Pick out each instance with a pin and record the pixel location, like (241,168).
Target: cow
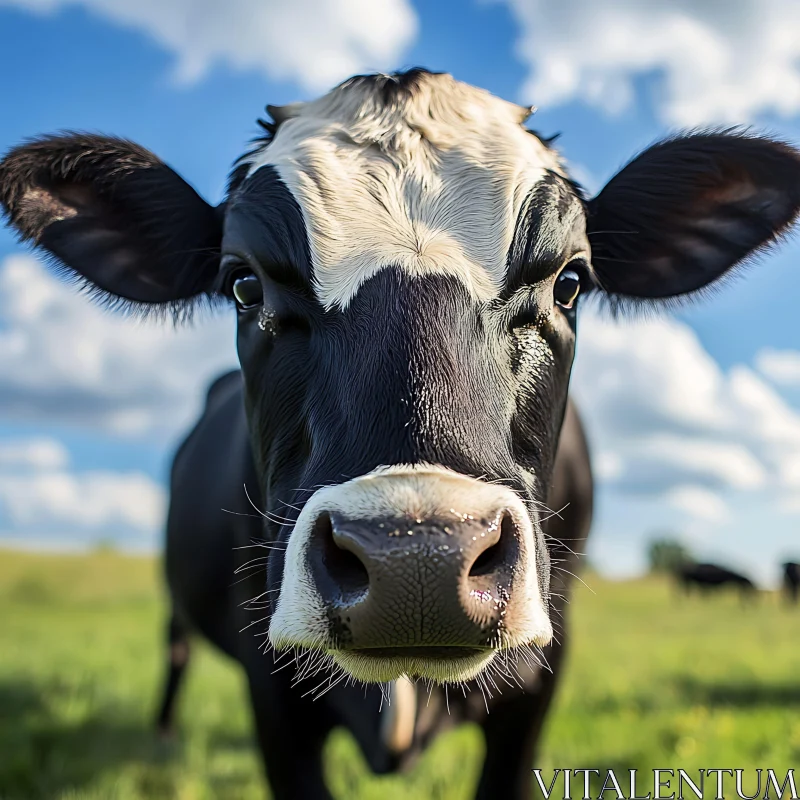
(791,581)
(712,576)
(396,475)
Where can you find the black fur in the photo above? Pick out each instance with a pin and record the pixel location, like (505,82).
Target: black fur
(114,216)
(551,227)
(200,558)
(712,576)
(791,581)
(264,221)
(689,209)
(392,87)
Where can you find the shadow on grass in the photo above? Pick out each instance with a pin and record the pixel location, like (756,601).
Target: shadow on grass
(43,754)
(740,694)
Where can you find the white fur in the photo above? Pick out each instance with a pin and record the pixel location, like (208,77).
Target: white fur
(432,183)
(422,492)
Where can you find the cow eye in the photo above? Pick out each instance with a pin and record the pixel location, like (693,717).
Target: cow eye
(247,290)
(567,288)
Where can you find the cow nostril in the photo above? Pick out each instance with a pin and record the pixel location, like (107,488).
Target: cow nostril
(343,566)
(499,554)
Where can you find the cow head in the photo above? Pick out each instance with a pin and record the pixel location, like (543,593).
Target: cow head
(406,260)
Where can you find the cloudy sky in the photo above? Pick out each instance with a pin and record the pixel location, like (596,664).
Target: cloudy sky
(694,417)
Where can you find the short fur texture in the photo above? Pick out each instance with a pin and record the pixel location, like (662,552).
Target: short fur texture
(405,182)
(102,205)
(690,209)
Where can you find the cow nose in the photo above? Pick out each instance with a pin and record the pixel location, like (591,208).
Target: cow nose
(406,583)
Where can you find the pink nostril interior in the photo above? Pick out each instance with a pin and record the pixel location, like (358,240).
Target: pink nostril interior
(344,567)
(500,553)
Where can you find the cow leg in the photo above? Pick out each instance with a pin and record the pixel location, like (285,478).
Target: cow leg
(511,730)
(290,738)
(178,657)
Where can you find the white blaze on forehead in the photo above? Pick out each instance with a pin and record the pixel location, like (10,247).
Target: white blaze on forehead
(431,182)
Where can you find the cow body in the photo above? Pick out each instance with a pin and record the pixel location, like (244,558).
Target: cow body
(372,499)
(712,576)
(791,581)
(205,545)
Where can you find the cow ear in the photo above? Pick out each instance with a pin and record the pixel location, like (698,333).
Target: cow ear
(114,216)
(688,209)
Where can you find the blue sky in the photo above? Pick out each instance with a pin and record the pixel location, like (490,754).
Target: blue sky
(91,406)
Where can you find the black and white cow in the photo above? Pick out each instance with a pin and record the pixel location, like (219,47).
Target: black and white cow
(406,260)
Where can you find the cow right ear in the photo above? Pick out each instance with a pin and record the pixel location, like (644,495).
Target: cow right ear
(113,215)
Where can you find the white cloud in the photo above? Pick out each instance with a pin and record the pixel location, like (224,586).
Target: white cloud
(649,375)
(782,367)
(41,452)
(699,503)
(652,463)
(669,424)
(38,488)
(64,359)
(313,42)
(717,61)
(93,499)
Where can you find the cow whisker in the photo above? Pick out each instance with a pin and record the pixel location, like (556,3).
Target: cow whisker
(244,578)
(257,598)
(265,545)
(276,518)
(254,622)
(342,675)
(559,541)
(577,577)
(555,513)
(484,692)
(533,502)
(260,561)
(239,513)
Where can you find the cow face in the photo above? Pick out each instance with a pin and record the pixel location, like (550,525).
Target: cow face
(406,261)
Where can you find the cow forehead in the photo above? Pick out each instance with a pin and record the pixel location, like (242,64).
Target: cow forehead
(431,179)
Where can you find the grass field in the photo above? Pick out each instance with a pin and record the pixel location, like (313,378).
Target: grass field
(652,682)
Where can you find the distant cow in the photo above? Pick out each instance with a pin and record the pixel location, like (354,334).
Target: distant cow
(711,576)
(791,580)
(406,260)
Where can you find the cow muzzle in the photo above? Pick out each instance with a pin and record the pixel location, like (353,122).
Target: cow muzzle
(411,571)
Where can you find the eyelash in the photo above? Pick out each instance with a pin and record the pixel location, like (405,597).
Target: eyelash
(528,315)
(284,277)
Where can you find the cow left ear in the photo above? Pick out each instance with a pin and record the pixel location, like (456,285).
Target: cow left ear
(114,216)
(688,209)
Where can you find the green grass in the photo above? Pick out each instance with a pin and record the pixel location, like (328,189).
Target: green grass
(651,682)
